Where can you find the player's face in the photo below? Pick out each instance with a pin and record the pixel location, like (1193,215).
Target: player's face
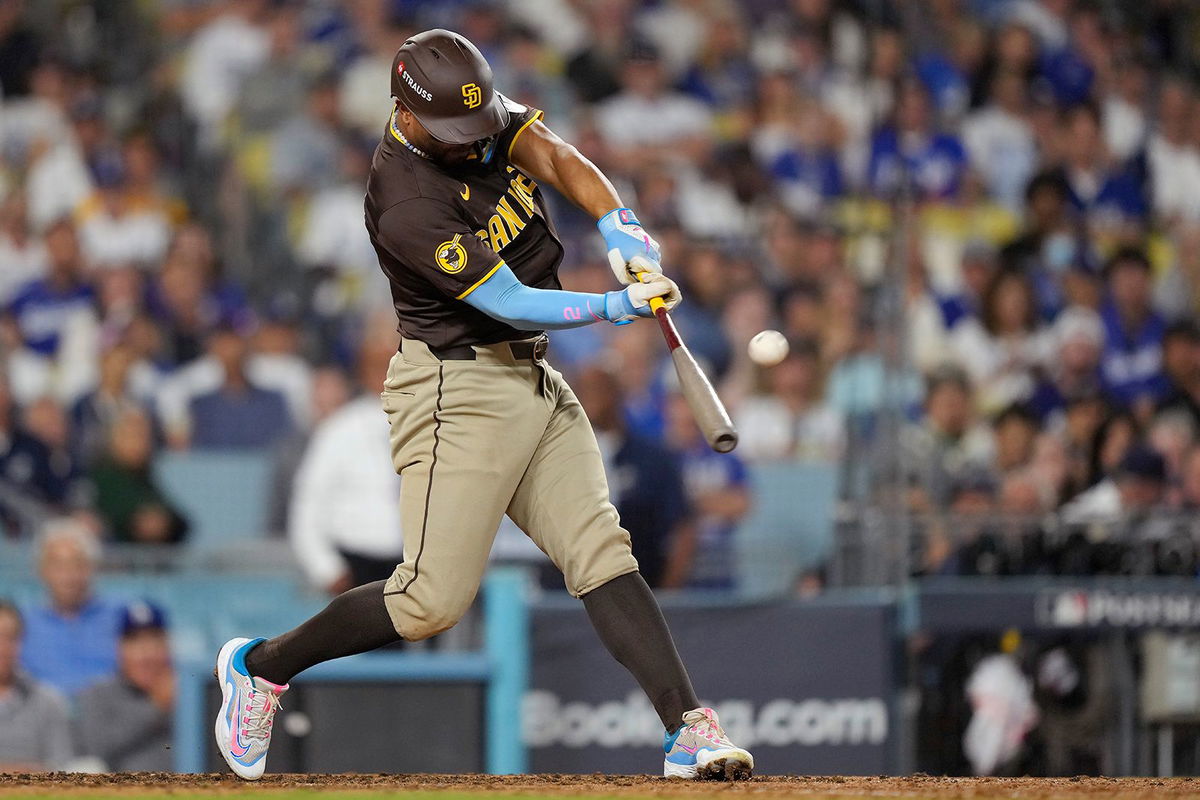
(441,152)
(444,153)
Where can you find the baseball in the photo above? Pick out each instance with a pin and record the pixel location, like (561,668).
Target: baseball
(768,348)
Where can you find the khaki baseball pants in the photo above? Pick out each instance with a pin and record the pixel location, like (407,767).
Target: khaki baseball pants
(477,439)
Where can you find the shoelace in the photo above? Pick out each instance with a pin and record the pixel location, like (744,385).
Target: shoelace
(258,720)
(704,725)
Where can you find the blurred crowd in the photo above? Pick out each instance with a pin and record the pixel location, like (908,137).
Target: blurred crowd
(977,218)
(86,683)
(976,221)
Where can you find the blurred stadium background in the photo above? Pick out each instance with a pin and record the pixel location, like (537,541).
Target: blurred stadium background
(958,536)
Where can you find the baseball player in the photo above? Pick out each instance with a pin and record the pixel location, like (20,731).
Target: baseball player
(481,424)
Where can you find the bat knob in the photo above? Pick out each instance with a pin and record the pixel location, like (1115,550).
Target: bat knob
(725,442)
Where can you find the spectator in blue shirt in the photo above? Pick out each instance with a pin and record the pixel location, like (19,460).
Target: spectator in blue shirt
(1098,186)
(28,482)
(978,265)
(1069,77)
(45,307)
(947,73)
(238,414)
(1070,68)
(1131,367)
(910,152)
(721,70)
(717,487)
(645,484)
(70,640)
(807,172)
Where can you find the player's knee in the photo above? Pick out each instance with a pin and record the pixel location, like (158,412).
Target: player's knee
(431,626)
(435,621)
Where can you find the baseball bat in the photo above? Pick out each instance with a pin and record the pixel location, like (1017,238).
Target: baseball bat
(707,408)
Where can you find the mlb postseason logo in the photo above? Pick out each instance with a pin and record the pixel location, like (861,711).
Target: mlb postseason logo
(1096,609)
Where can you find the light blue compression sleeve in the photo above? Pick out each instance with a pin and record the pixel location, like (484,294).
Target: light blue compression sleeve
(503,297)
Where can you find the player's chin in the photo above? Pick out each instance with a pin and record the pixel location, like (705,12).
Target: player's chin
(453,154)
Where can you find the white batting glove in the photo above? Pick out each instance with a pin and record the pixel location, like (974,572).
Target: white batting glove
(656,285)
(634,300)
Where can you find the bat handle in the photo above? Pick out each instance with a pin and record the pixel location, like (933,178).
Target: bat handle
(656,303)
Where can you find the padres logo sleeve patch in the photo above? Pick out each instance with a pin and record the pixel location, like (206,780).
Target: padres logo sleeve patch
(451,256)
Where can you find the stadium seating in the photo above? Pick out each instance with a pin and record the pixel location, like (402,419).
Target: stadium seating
(224,495)
(789,530)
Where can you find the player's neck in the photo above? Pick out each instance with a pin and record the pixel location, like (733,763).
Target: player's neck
(394,124)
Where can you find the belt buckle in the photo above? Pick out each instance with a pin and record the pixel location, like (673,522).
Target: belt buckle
(540,346)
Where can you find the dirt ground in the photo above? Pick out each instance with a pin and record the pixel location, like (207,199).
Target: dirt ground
(599,785)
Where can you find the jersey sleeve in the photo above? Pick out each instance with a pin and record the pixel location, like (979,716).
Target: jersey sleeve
(430,237)
(520,117)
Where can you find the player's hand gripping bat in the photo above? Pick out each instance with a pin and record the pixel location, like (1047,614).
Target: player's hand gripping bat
(706,407)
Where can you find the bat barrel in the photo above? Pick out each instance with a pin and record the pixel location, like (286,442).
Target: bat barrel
(710,414)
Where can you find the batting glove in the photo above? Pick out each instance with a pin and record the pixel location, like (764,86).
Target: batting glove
(634,300)
(630,249)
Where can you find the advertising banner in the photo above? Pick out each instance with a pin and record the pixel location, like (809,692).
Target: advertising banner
(807,687)
(962,606)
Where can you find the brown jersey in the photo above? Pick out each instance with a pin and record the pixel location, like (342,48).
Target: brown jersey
(440,231)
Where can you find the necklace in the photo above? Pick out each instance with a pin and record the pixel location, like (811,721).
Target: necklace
(400,137)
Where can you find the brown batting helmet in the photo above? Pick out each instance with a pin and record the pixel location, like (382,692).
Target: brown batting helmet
(446,83)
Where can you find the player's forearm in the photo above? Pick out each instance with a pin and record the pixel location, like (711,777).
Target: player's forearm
(583,183)
(548,159)
(502,296)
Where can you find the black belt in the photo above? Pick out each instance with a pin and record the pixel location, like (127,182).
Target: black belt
(534,350)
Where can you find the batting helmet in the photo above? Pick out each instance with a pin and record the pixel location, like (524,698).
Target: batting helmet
(446,83)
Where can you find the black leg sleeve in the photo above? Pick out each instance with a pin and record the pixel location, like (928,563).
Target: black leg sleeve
(354,622)
(631,625)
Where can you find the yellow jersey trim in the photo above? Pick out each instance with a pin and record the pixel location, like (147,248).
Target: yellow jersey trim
(537,115)
(392,127)
(480,282)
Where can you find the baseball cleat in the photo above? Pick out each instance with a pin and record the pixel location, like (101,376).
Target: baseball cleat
(700,750)
(248,707)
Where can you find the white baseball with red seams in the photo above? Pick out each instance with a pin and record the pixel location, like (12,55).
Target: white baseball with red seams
(768,348)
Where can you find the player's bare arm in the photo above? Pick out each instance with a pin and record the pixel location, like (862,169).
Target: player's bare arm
(545,157)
